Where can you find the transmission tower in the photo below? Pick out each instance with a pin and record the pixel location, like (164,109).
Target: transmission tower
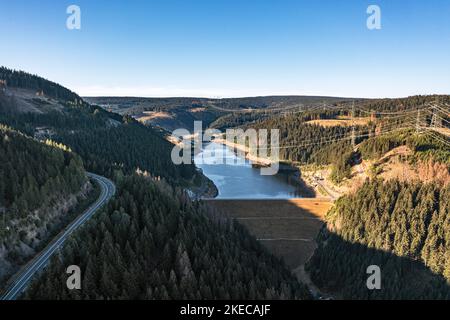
(353,127)
(434,118)
(418,121)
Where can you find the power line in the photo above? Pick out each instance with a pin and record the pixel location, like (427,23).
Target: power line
(335,139)
(441,109)
(438,116)
(393,126)
(435,136)
(388,113)
(353,126)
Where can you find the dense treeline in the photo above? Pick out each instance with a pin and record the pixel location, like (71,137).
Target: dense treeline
(307,143)
(302,139)
(314,144)
(424,146)
(40,184)
(153,243)
(248,119)
(233,120)
(107,142)
(401,104)
(275,102)
(126,148)
(25,80)
(404,228)
(33,172)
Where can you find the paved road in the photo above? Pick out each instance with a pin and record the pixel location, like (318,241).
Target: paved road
(23,278)
(332,195)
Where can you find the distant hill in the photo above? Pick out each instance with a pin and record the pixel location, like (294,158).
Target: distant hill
(174,113)
(279,102)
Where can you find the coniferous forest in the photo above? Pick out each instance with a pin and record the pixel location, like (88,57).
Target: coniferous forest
(32,172)
(24,80)
(404,228)
(107,143)
(153,243)
(36,179)
(213,159)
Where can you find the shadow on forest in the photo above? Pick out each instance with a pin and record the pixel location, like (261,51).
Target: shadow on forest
(340,267)
(286,227)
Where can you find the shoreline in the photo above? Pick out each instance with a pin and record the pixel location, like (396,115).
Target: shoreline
(294,172)
(235,146)
(208,190)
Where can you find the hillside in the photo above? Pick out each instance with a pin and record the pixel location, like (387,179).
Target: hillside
(133,104)
(109,144)
(400,155)
(394,184)
(403,228)
(152,243)
(174,113)
(320,141)
(156,242)
(167,113)
(42,186)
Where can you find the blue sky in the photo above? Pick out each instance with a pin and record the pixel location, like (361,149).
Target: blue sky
(232,48)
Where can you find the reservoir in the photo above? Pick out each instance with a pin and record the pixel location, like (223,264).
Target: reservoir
(235,177)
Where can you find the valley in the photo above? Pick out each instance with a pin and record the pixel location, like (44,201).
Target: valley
(219,159)
(335,152)
(289,228)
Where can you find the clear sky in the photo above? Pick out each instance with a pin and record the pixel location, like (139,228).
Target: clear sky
(231,48)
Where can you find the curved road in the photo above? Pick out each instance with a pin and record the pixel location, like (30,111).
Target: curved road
(23,278)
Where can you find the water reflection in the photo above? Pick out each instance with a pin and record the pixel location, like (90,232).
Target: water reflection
(236,179)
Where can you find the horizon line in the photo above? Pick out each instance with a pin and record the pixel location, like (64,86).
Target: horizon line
(262,96)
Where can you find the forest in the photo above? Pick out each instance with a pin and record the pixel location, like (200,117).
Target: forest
(40,183)
(303,139)
(402,104)
(108,143)
(25,80)
(152,242)
(423,146)
(34,172)
(404,228)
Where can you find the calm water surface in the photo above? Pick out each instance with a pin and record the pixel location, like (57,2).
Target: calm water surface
(236,179)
